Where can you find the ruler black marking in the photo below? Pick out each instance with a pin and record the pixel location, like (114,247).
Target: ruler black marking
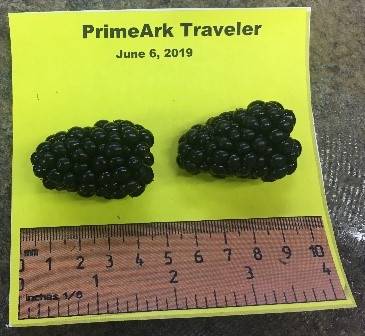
(175,294)
(215,298)
(254,293)
(235,299)
(115,230)
(109,250)
(157,303)
(305,297)
(295,295)
(333,289)
(314,293)
(276,300)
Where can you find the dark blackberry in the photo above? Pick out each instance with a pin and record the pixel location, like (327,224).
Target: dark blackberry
(110,160)
(248,143)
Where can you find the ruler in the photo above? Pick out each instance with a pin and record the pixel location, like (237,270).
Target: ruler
(214,264)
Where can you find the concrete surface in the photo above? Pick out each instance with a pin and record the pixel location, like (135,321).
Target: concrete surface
(338,97)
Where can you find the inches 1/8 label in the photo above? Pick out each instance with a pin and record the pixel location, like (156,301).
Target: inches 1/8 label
(155,53)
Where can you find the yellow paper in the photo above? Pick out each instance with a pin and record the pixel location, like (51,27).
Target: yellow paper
(61,79)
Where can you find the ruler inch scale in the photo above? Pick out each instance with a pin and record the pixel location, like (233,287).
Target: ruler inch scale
(158,267)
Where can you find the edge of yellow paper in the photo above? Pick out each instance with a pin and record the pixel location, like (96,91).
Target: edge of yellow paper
(349,302)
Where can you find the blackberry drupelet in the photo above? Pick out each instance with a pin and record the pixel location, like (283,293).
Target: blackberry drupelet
(110,160)
(249,143)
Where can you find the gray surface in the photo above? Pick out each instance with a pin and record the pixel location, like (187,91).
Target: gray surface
(337,79)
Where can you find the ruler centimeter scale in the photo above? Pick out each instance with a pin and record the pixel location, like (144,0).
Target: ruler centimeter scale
(117,269)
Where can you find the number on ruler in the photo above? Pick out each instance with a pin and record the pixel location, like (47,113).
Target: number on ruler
(228,252)
(21,284)
(21,265)
(173,276)
(257,253)
(96,279)
(81,259)
(287,251)
(249,272)
(326,269)
(317,250)
(168,258)
(68,296)
(198,257)
(49,261)
(139,260)
(110,261)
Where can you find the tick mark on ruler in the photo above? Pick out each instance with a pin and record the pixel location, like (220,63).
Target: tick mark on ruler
(245,297)
(283,235)
(254,293)
(147,308)
(295,295)
(176,303)
(225,300)
(167,240)
(97,303)
(206,302)
(314,294)
(265,298)
(186,303)
(196,301)
(107,307)
(68,309)
(312,235)
(325,295)
(275,298)
(127,306)
(285,298)
(215,298)
(48,311)
(167,304)
(333,289)
(196,239)
(117,305)
(28,312)
(225,237)
(305,296)
(88,309)
(79,243)
(50,246)
(109,243)
(137,301)
(78,307)
(235,299)
(254,235)
(39,310)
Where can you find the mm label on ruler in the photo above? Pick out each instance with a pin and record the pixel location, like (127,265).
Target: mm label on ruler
(126,269)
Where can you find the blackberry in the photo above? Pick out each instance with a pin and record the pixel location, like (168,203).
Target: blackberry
(248,143)
(110,160)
